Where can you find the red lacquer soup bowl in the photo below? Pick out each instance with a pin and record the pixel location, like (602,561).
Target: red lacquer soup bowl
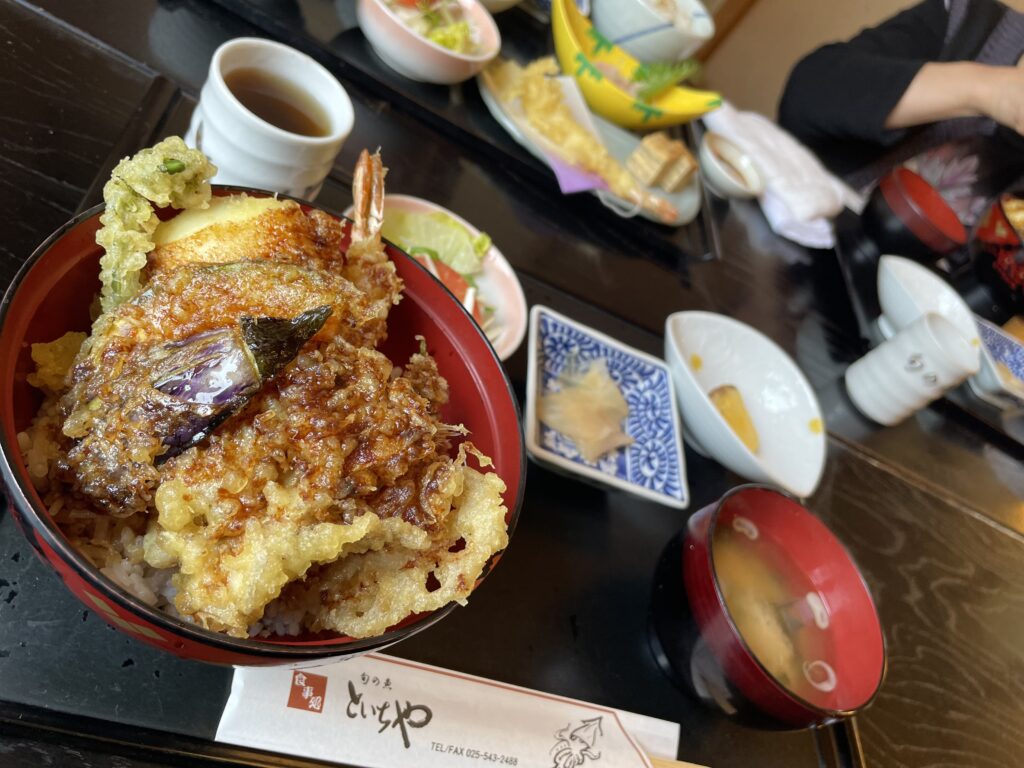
(760,611)
(51,295)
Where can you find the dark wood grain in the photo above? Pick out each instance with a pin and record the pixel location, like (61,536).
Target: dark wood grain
(51,739)
(31,753)
(950,591)
(64,106)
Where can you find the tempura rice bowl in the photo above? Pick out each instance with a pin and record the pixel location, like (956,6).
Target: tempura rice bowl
(52,294)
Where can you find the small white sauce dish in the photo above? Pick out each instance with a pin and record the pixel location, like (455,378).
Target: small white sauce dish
(421,59)
(704,351)
(728,171)
(653,466)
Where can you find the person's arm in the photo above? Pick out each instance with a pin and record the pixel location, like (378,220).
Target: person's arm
(944,90)
(848,90)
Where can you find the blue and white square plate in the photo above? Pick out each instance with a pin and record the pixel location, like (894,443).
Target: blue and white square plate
(653,466)
(1001,378)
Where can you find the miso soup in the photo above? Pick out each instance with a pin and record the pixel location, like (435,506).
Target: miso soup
(779,615)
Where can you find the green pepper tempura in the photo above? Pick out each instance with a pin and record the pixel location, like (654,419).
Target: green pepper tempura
(168,173)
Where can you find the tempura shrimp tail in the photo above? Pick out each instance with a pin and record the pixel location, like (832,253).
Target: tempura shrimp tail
(366,263)
(368,195)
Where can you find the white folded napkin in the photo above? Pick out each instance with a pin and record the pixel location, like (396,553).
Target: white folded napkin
(800,196)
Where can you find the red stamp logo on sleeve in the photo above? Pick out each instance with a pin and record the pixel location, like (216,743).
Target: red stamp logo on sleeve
(307,691)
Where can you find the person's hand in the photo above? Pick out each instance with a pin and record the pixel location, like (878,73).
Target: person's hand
(1002,97)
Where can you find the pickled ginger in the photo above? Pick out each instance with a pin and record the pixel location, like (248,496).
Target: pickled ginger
(589,409)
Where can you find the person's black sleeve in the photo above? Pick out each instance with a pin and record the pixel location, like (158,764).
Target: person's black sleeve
(847,90)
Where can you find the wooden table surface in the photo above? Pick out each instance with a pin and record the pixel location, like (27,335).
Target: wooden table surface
(933,510)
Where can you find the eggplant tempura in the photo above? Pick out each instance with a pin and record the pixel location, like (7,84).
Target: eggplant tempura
(230,445)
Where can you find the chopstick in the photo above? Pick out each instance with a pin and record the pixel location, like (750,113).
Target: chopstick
(661,762)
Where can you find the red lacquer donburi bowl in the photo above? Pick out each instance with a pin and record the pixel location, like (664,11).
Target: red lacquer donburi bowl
(51,295)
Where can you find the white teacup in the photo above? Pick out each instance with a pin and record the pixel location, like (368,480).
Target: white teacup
(251,152)
(910,370)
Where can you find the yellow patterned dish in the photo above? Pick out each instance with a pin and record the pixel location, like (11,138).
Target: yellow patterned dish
(586,54)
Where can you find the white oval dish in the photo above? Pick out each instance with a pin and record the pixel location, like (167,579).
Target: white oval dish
(620,144)
(705,350)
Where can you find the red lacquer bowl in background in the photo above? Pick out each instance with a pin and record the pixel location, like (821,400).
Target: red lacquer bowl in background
(51,295)
(906,216)
(697,641)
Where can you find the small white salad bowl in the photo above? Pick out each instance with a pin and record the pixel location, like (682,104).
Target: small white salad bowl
(421,59)
(705,351)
